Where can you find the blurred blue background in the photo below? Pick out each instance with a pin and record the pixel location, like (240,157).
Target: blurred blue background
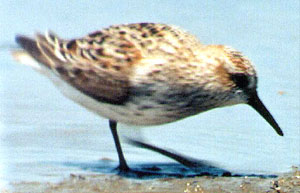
(40,129)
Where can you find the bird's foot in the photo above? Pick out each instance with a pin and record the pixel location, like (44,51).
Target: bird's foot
(122,169)
(137,173)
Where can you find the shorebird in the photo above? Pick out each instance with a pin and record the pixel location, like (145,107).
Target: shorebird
(144,74)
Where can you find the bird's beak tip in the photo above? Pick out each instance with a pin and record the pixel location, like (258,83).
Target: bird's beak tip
(256,103)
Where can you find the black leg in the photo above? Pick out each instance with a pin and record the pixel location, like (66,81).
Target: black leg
(184,160)
(113,128)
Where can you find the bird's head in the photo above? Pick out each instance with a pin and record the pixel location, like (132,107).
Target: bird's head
(242,81)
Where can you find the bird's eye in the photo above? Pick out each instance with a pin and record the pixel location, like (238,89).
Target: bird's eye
(241,80)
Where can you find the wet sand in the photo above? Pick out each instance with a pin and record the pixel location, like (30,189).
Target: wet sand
(103,183)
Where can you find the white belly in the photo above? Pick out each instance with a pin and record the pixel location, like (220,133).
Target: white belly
(127,114)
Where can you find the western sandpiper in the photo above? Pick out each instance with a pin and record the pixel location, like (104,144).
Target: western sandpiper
(144,74)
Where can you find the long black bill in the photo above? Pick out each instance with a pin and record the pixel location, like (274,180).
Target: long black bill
(256,103)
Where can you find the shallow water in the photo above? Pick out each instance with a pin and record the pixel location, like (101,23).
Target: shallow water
(41,130)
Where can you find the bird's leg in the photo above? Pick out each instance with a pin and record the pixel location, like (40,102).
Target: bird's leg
(184,160)
(123,167)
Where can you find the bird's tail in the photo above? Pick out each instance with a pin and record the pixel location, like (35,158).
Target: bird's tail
(37,53)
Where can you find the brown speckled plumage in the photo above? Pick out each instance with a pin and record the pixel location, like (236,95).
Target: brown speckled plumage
(103,64)
(144,73)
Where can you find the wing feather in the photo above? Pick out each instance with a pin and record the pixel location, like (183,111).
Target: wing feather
(82,67)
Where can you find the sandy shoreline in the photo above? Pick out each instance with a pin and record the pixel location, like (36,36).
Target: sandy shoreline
(104,183)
